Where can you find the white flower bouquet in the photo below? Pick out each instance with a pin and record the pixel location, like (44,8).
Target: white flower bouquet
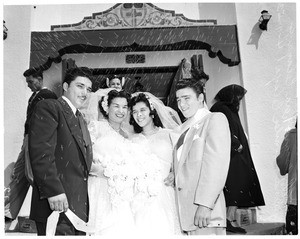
(133,172)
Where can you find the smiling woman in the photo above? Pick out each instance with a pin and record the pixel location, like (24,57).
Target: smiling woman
(144,116)
(110,181)
(155,214)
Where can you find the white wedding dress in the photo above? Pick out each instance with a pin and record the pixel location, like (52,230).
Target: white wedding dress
(157,215)
(107,216)
(122,200)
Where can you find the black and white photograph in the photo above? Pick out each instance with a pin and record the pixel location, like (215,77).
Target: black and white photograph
(149,119)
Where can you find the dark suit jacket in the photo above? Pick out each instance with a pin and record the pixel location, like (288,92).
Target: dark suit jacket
(41,95)
(60,160)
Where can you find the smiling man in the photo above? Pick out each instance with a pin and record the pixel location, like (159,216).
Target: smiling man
(61,155)
(201,162)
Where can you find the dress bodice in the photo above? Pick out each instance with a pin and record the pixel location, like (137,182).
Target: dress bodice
(108,145)
(159,144)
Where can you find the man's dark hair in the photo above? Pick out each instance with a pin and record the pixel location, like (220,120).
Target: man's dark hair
(34,72)
(72,73)
(192,83)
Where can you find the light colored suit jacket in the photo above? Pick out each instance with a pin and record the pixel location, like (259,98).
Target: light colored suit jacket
(201,170)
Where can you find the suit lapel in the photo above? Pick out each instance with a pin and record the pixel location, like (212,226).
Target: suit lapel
(73,125)
(197,128)
(187,144)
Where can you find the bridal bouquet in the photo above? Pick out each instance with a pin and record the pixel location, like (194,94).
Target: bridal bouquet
(132,171)
(121,173)
(148,181)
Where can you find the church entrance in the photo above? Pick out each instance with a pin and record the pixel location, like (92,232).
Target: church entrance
(151,79)
(152,43)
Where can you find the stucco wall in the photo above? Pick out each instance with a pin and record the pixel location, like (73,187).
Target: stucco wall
(16,49)
(269,74)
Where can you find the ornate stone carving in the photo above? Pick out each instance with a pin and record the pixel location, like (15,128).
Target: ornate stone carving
(132,15)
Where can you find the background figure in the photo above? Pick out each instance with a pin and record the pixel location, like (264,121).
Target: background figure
(242,188)
(287,162)
(19,185)
(138,87)
(201,161)
(155,215)
(115,82)
(61,155)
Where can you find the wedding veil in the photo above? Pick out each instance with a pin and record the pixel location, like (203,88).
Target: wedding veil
(91,109)
(168,116)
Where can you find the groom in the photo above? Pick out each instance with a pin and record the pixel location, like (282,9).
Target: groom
(61,155)
(201,162)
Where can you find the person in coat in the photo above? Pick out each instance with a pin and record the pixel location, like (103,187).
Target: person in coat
(242,188)
(61,155)
(19,185)
(287,162)
(201,162)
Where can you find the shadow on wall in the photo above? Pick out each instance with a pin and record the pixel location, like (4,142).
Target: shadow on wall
(7,173)
(255,35)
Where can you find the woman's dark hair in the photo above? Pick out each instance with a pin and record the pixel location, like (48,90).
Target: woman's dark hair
(110,96)
(192,83)
(231,96)
(143,98)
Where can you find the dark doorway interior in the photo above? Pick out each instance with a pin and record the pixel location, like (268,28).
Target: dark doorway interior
(156,80)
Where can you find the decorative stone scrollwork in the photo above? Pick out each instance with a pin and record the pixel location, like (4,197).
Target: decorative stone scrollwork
(133,15)
(92,24)
(108,20)
(163,19)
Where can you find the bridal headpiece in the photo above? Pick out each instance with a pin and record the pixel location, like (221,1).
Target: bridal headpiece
(104,103)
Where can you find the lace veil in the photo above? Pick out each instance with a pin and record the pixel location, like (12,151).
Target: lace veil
(91,109)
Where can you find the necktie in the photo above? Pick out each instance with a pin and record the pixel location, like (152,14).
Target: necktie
(181,139)
(85,133)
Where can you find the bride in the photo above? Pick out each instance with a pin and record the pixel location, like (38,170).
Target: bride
(155,215)
(110,211)
(126,181)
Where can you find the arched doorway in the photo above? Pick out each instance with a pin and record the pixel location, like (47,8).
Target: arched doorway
(135,31)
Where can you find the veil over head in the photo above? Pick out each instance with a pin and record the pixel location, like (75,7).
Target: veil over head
(91,109)
(231,95)
(167,115)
